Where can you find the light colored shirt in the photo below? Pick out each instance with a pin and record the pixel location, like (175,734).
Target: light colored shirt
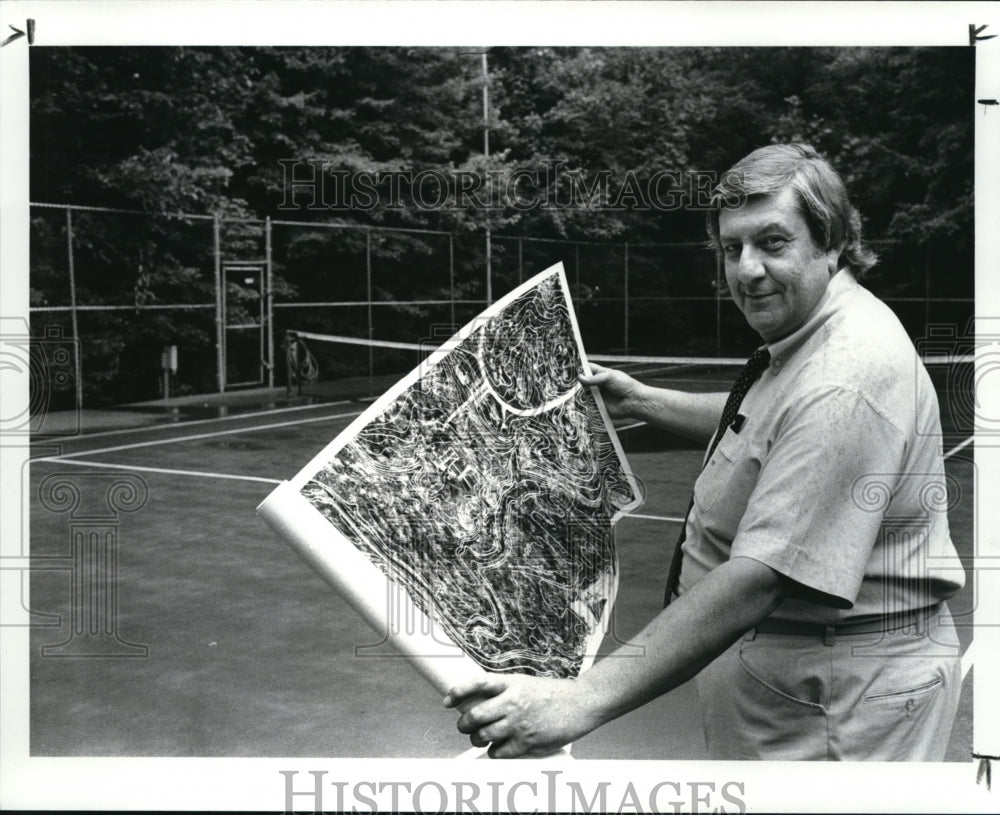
(835,478)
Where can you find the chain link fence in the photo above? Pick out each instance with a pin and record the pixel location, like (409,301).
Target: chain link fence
(126,287)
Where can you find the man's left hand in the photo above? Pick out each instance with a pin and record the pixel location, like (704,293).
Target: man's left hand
(519,715)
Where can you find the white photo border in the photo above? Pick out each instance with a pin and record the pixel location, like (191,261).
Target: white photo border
(259,784)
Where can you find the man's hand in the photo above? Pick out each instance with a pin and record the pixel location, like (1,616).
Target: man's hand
(694,415)
(530,716)
(619,390)
(521,715)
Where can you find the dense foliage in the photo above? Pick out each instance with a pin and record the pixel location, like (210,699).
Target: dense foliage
(205,130)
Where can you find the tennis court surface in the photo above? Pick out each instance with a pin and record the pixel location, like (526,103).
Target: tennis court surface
(218,641)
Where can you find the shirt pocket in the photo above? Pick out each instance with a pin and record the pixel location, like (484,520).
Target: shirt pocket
(723,488)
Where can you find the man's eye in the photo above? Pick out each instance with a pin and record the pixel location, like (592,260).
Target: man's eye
(774,242)
(731,249)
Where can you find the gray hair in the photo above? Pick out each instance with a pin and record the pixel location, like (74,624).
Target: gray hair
(820,195)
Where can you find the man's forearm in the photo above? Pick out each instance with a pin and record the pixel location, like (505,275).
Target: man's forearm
(695,415)
(683,638)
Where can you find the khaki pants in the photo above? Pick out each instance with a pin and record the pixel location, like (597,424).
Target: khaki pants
(890,696)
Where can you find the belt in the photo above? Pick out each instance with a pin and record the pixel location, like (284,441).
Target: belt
(829,633)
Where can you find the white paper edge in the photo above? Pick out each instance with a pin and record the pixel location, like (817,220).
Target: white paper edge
(376,408)
(367,589)
(362,584)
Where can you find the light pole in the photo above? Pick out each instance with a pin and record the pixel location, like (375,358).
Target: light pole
(486,154)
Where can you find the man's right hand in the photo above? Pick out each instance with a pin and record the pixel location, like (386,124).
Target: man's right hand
(695,415)
(619,390)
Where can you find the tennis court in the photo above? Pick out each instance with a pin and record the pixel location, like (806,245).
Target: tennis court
(231,646)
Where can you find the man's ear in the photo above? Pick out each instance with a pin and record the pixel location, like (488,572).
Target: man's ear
(833,259)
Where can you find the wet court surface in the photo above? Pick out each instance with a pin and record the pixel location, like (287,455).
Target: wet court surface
(231,646)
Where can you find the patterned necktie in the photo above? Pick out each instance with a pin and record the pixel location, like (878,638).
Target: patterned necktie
(750,373)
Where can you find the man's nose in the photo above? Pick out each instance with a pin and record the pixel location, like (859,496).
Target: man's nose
(750,266)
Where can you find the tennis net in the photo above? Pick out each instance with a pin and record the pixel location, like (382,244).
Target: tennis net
(314,361)
(953,377)
(335,366)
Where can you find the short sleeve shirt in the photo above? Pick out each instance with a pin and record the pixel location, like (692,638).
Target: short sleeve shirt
(835,476)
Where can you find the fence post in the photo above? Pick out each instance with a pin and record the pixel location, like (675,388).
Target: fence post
(220,347)
(451,275)
(489,269)
(718,306)
(626,300)
(368,283)
(270,302)
(576,264)
(927,289)
(78,364)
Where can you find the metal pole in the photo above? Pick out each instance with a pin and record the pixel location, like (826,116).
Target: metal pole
(486,107)
(451,276)
(486,154)
(626,299)
(270,303)
(220,337)
(288,363)
(718,306)
(927,291)
(489,269)
(78,363)
(368,275)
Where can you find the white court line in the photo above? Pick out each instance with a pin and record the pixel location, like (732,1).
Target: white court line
(957,448)
(722,383)
(961,446)
(654,517)
(197,436)
(968,659)
(130,467)
(141,428)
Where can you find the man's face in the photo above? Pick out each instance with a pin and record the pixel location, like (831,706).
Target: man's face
(776,273)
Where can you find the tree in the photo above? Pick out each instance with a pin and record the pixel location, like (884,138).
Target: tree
(212,130)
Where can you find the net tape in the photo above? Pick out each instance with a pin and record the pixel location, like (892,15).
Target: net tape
(620,359)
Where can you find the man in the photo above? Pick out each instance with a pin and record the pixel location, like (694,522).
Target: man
(815,564)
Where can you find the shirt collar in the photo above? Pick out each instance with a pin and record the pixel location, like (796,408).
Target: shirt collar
(842,287)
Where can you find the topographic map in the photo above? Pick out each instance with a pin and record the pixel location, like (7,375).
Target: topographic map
(486,485)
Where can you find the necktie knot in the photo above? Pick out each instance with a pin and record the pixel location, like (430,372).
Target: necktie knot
(758,362)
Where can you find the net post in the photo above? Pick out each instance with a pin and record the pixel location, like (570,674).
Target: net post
(287,344)
(298,371)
